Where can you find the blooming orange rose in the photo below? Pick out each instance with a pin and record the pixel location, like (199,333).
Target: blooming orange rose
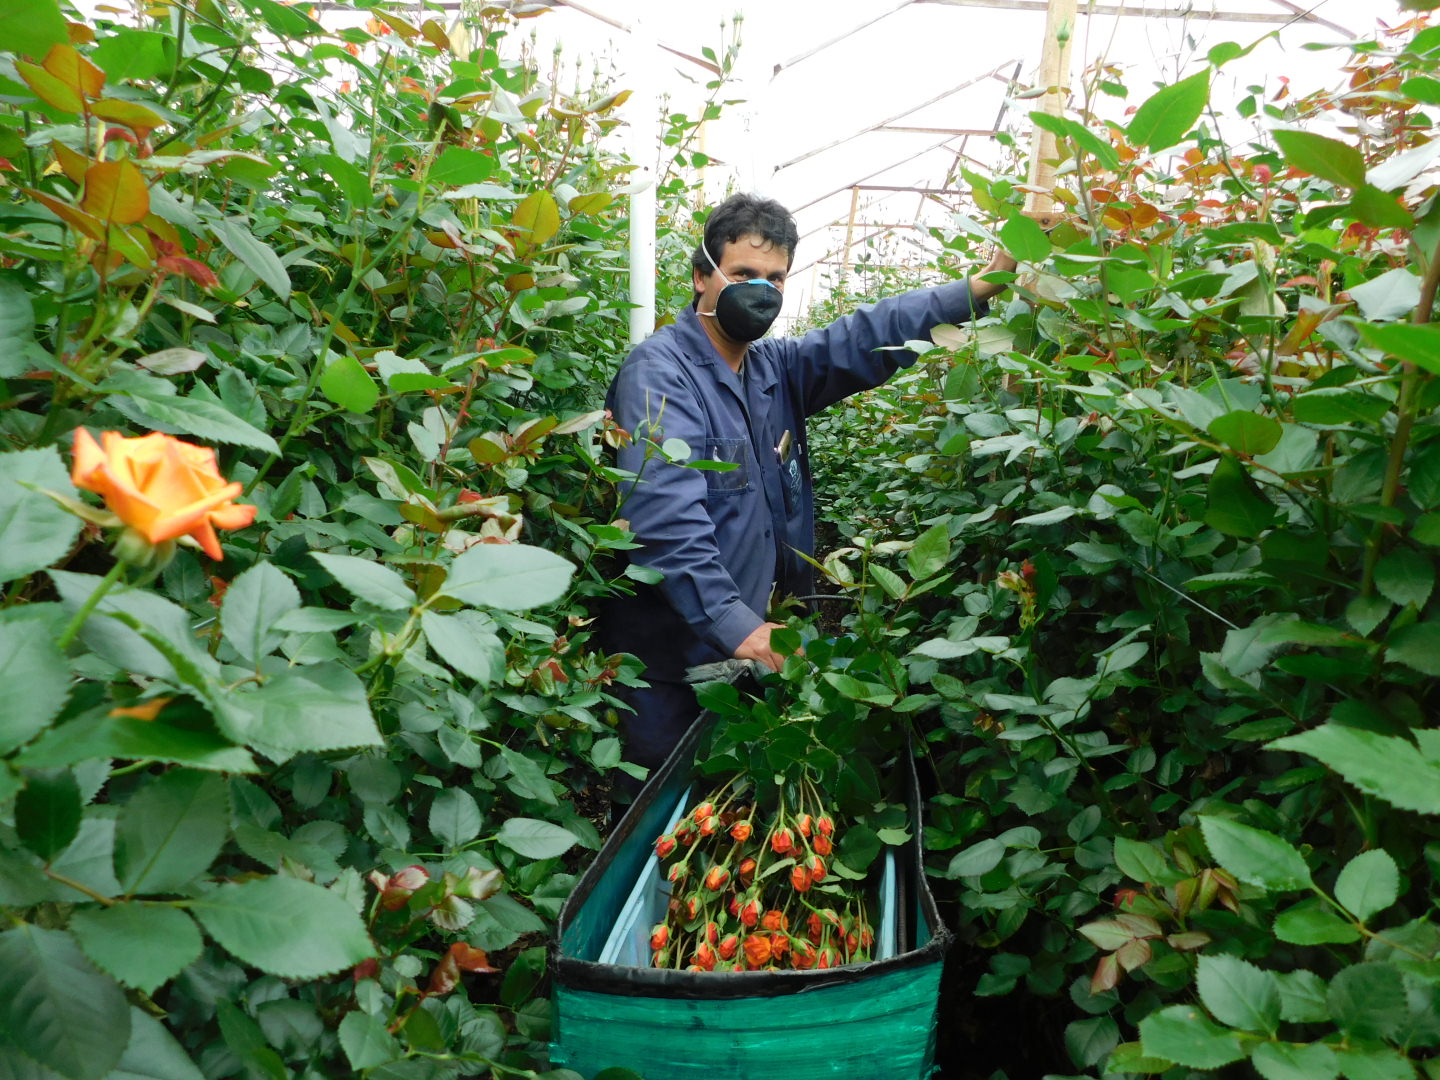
(161,487)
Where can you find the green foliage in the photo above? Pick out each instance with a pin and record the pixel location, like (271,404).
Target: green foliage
(1178,681)
(305,810)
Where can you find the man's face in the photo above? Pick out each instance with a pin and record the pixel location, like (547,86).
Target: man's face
(749,256)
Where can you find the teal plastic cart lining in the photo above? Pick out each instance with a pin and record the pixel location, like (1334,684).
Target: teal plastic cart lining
(873,1021)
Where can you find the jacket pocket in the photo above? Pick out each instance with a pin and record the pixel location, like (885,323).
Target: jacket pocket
(734,452)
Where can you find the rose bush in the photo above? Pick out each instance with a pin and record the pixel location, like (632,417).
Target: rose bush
(1178,678)
(307,803)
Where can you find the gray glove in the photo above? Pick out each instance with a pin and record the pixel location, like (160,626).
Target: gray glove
(731,671)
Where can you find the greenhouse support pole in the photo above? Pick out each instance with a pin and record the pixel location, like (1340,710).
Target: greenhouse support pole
(1055,79)
(644,152)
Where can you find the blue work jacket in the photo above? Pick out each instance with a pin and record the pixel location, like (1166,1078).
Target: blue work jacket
(723,540)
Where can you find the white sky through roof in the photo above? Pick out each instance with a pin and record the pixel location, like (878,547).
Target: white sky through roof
(803,133)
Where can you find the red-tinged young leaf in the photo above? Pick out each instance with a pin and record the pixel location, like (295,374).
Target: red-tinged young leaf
(74,70)
(538,217)
(435,34)
(1133,954)
(115,191)
(1106,976)
(52,91)
(192,269)
(1107,934)
(1188,941)
(129,114)
(71,215)
(591,203)
(71,163)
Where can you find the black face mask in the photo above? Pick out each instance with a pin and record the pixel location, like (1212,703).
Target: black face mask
(745,310)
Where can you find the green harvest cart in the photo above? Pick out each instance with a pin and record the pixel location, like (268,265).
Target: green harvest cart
(872,1021)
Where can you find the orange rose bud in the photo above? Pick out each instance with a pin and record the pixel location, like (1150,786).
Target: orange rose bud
(704,811)
(782,842)
(816,866)
(716,878)
(704,956)
(664,845)
(740,830)
(803,955)
(661,959)
(161,487)
(800,878)
(734,906)
(711,932)
(746,871)
(779,945)
(802,825)
(826,824)
(828,958)
(757,951)
(678,872)
(750,912)
(815,927)
(659,937)
(729,946)
(821,845)
(774,920)
(708,827)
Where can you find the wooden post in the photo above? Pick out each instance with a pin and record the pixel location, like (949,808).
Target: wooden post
(850,232)
(1055,79)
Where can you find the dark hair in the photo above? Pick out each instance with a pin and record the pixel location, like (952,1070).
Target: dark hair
(745,215)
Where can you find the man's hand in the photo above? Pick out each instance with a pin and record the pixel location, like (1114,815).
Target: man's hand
(1004,262)
(757,646)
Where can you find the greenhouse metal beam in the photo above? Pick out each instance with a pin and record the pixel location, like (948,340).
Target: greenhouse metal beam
(1153,13)
(839,38)
(891,119)
(867,176)
(938,130)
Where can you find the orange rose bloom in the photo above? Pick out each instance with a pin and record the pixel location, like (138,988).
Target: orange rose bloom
(161,487)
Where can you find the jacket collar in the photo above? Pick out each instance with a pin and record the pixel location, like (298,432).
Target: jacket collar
(699,348)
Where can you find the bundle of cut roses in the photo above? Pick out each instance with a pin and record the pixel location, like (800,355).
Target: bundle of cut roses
(748,898)
(756,876)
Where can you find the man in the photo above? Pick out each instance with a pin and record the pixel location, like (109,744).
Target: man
(723,541)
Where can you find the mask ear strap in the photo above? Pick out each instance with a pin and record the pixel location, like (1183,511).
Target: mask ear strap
(713,264)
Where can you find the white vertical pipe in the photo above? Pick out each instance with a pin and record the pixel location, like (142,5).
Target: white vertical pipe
(645,153)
